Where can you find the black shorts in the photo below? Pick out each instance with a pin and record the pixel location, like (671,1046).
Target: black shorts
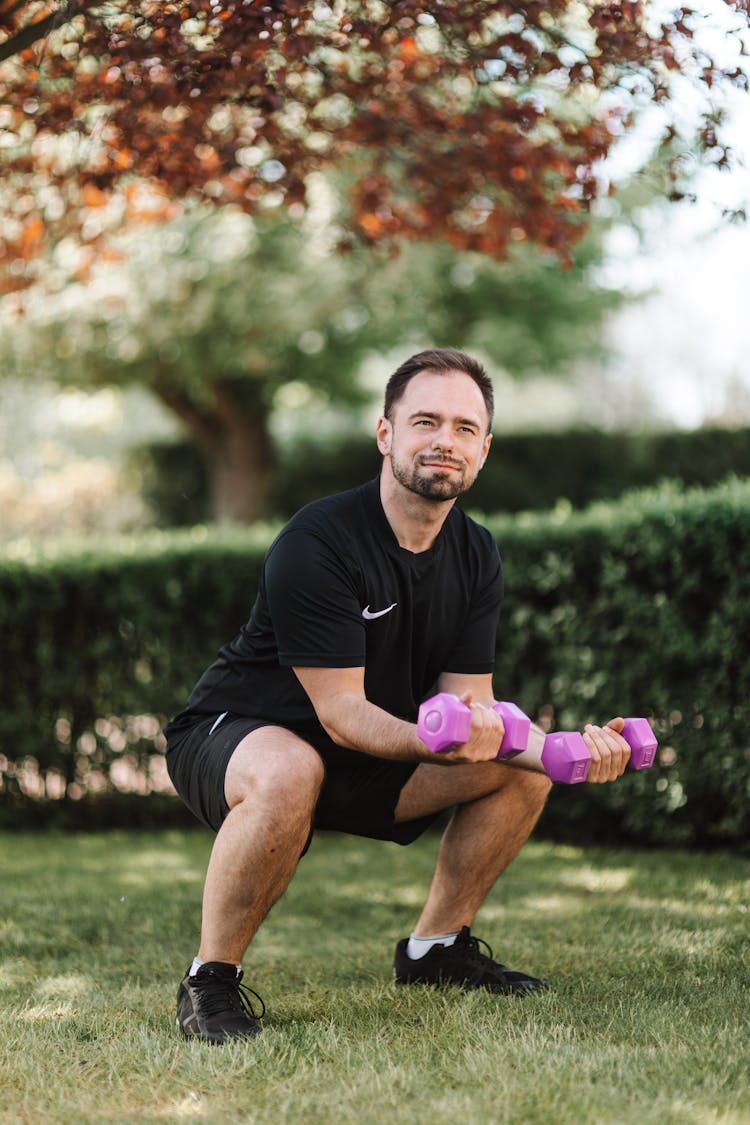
(359,794)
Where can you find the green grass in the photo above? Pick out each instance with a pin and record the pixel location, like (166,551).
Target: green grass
(647,1019)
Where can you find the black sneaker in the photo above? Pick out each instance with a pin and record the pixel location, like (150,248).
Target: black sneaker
(464,964)
(214,1006)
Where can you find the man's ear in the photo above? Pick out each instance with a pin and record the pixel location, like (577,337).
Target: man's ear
(384,434)
(485,450)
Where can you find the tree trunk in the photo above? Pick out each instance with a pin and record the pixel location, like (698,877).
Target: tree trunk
(240,463)
(234,440)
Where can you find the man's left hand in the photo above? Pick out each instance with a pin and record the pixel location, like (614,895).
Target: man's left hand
(609,751)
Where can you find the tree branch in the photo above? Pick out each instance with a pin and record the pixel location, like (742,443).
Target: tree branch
(203,427)
(33,32)
(7,12)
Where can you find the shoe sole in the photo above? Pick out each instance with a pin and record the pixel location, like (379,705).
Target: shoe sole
(468,986)
(215,1041)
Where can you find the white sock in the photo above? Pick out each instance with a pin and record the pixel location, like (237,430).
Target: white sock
(419,946)
(197,964)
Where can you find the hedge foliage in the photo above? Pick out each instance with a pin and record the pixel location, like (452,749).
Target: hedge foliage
(100,645)
(637,607)
(640,607)
(524,471)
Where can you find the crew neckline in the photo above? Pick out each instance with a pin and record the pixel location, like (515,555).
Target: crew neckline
(371,493)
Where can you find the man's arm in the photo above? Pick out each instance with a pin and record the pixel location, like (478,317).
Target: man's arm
(338,696)
(347,716)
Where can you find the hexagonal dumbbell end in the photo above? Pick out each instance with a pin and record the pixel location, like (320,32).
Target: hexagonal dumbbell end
(565,757)
(517,727)
(642,742)
(443,722)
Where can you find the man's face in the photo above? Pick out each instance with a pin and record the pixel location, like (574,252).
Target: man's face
(437,440)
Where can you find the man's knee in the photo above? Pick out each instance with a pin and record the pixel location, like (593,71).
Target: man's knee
(276,771)
(531,787)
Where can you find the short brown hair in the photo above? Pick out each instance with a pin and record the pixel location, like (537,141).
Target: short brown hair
(440,360)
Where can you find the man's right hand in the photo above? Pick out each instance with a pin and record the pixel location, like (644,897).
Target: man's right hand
(485,735)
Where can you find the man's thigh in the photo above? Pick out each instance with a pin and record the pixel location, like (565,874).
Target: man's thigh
(431,789)
(357,796)
(212,760)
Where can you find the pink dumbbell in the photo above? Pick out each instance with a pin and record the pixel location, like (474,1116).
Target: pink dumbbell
(565,758)
(444,723)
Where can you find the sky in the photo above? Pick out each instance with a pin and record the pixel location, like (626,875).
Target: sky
(686,347)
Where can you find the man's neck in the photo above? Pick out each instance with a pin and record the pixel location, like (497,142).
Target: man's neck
(415,520)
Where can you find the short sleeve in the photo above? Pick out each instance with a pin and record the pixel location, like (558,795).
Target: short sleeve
(313,602)
(474,651)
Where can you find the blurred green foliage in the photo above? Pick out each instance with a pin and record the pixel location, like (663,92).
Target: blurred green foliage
(268,302)
(637,607)
(227,319)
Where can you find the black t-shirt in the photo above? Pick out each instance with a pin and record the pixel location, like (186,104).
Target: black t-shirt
(337,591)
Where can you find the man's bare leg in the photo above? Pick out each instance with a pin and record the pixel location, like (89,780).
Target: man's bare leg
(498,807)
(272,785)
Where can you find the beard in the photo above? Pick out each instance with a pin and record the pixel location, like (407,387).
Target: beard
(429,483)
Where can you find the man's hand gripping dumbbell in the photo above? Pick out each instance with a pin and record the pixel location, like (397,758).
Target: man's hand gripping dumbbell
(446,723)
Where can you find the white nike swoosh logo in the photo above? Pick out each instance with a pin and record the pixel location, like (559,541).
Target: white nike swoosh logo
(370,616)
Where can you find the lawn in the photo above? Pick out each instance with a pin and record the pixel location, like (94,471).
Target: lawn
(646,1021)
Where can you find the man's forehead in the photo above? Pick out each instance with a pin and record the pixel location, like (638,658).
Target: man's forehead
(431,391)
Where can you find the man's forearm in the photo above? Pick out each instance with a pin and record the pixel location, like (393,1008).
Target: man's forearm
(355,722)
(350,719)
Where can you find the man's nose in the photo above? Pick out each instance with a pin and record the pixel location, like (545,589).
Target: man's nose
(443,438)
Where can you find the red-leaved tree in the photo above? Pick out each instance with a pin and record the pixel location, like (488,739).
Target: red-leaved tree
(480,123)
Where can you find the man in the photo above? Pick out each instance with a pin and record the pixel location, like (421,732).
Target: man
(369,602)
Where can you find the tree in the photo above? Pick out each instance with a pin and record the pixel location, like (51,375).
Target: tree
(217,312)
(480,123)
(212,312)
(480,126)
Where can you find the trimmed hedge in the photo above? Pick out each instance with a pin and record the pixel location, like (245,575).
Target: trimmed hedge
(532,472)
(639,607)
(100,646)
(524,471)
